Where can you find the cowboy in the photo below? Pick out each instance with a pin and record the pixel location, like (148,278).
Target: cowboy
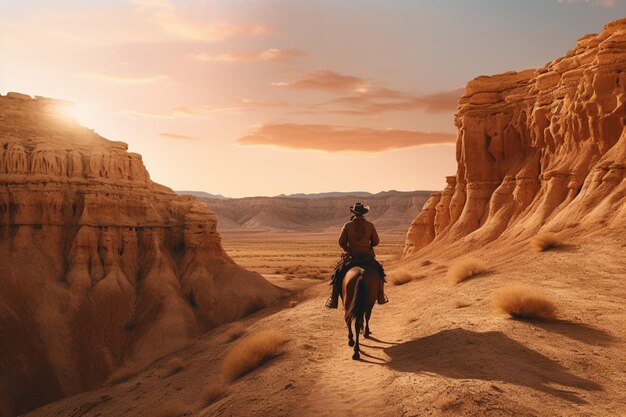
(357,239)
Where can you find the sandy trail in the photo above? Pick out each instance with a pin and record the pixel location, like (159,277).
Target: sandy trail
(438,349)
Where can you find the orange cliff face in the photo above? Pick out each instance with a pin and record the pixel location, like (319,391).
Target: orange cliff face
(99,266)
(537,147)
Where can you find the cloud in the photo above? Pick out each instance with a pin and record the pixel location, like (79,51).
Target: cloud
(206,112)
(328,81)
(178,136)
(267,55)
(127,79)
(603,3)
(340,138)
(381,100)
(167,17)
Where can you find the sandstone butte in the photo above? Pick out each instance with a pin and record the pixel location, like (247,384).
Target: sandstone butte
(536,149)
(99,266)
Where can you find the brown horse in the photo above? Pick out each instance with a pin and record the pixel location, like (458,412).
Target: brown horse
(360,290)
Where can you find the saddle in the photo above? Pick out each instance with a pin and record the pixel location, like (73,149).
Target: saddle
(349,261)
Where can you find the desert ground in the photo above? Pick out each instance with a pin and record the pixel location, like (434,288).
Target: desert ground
(438,348)
(296,260)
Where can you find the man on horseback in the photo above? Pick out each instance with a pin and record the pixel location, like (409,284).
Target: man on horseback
(357,239)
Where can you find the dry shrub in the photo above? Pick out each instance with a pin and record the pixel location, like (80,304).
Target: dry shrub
(235,331)
(545,241)
(172,408)
(174,365)
(402,277)
(251,352)
(212,392)
(122,374)
(525,303)
(466,269)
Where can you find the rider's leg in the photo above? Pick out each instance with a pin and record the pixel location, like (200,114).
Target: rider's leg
(382,298)
(333,300)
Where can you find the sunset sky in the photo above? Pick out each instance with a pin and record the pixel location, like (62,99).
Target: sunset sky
(246,98)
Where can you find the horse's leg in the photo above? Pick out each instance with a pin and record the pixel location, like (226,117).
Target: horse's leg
(367,333)
(358,323)
(350,335)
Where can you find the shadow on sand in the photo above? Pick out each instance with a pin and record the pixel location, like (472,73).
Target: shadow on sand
(577,331)
(489,356)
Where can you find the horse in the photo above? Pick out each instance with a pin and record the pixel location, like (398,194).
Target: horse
(360,289)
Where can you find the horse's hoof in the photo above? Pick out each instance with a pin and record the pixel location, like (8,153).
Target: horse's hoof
(350,342)
(356,356)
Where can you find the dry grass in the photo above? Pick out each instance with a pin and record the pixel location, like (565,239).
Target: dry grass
(172,408)
(213,391)
(234,331)
(122,374)
(466,269)
(402,277)
(525,303)
(173,366)
(251,352)
(545,241)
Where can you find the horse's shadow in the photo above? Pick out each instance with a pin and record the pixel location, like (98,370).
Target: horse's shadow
(577,331)
(489,356)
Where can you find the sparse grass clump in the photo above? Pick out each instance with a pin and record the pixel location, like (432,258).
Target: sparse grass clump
(251,352)
(545,241)
(122,374)
(212,392)
(235,331)
(466,269)
(174,365)
(402,277)
(172,408)
(524,303)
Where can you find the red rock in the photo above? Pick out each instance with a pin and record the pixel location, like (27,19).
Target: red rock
(538,148)
(99,266)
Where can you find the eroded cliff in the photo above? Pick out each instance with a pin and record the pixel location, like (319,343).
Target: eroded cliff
(537,148)
(99,266)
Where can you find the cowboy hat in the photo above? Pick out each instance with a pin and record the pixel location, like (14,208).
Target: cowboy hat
(359,208)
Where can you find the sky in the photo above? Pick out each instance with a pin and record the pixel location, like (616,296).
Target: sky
(247,98)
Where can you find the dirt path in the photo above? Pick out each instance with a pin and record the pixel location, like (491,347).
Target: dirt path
(438,349)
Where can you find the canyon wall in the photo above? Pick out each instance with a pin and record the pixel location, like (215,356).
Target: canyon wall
(99,266)
(537,148)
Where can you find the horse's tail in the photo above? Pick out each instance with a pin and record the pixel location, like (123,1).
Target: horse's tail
(357,307)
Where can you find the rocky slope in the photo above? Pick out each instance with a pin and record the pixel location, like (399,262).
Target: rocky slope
(537,148)
(99,266)
(391,210)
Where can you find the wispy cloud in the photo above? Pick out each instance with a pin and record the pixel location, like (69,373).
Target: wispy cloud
(165,15)
(327,80)
(178,136)
(603,3)
(380,100)
(360,96)
(331,138)
(207,112)
(267,55)
(125,78)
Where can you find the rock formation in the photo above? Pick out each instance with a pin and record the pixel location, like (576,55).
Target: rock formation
(537,148)
(391,210)
(99,266)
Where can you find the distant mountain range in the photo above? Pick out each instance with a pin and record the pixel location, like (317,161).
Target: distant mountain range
(389,210)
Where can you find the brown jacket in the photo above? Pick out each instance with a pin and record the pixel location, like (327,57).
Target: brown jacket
(358,237)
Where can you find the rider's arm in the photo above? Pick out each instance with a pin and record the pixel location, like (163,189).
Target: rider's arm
(343,239)
(374,240)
